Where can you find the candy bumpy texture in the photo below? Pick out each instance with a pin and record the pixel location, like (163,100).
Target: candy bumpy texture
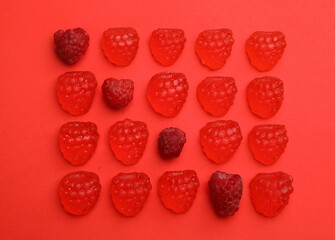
(265,49)
(167,45)
(270,192)
(265,96)
(220,140)
(79,192)
(214,47)
(178,189)
(75,91)
(167,93)
(216,95)
(120,45)
(128,140)
(268,142)
(78,141)
(130,192)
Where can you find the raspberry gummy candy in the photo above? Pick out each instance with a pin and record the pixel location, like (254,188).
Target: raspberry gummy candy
(178,189)
(118,93)
(270,192)
(79,192)
(75,91)
(265,96)
(167,92)
(120,45)
(216,94)
(166,45)
(130,192)
(265,49)
(77,141)
(225,191)
(220,140)
(268,142)
(128,139)
(71,44)
(171,142)
(214,47)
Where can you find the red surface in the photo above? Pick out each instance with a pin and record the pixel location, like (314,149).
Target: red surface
(32,165)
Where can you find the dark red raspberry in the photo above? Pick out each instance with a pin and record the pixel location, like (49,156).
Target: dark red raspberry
(220,140)
(226,192)
(120,45)
(128,139)
(75,91)
(79,192)
(270,192)
(214,47)
(170,142)
(268,142)
(265,49)
(178,189)
(118,93)
(216,94)
(265,96)
(167,44)
(71,45)
(167,93)
(130,192)
(77,141)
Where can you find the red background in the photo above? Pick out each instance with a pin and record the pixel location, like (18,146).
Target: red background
(31,163)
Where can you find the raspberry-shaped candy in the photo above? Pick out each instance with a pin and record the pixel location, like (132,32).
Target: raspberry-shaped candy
(220,140)
(265,96)
(225,191)
(128,139)
(77,141)
(265,49)
(75,91)
(118,93)
(130,192)
(167,92)
(216,94)
(170,142)
(167,44)
(79,192)
(178,189)
(120,45)
(270,192)
(268,142)
(71,45)
(214,47)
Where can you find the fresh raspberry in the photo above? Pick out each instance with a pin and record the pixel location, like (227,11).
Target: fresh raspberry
(130,192)
(120,45)
(79,192)
(214,47)
(128,140)
(265,96)
(71,45)
(220,140)
(270,192)
(118,93)
(170,142)
(268,142)
(75,91)
(216,94)
(77,141)
(167,92)
(178,189)
(226,191)
(265,49)
(166,45)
